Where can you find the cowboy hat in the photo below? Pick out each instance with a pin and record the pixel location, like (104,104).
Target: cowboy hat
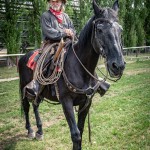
(64,1)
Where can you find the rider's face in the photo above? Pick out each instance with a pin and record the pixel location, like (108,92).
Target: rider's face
(56,4)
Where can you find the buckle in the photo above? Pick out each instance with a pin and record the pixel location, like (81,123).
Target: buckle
(89,92)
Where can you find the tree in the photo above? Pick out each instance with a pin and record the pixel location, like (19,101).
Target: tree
(147,22)
(10,26)
(20,20)
(34,27)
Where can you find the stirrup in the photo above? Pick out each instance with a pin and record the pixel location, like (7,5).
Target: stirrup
(103,88)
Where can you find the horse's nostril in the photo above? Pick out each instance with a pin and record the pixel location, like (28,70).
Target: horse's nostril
(114,65)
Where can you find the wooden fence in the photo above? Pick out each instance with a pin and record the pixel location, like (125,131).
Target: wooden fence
(130,51)
(133,52)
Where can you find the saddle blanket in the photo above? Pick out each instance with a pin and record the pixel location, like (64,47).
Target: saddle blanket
(35,56)
(33,60)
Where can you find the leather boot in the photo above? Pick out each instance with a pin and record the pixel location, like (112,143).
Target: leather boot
(32,89)
(103,88)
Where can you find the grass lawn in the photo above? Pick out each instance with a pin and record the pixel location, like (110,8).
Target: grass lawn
(8,72)
(120,120)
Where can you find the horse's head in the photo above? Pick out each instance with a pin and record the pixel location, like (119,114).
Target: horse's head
(106,38)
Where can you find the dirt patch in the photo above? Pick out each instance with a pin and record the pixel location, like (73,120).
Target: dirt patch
(53,121)
(135,72)
(9,79)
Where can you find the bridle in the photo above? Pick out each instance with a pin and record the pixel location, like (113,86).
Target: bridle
(101,49)
(102,53)
(94,38)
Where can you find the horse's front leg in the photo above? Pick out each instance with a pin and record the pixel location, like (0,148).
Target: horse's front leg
(67,105)
(39,133)
(82,116)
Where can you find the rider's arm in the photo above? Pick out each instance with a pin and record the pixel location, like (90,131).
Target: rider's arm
(48,31)
(70,24)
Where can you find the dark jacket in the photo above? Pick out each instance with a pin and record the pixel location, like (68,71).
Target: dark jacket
(51,29)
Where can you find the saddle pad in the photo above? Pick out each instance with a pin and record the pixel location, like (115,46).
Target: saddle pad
(33,60)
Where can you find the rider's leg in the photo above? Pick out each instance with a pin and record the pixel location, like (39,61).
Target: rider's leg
(33,90)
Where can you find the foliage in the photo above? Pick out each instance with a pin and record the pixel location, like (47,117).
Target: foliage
(134,17)
(21,23)
(34,31)
(11,27)
(147,22)
(85,13)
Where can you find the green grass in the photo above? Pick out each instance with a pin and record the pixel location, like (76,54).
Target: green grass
(8,72)
(120,120)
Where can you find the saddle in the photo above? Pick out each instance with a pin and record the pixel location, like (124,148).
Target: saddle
(54,53)
(47,65)
(33,59)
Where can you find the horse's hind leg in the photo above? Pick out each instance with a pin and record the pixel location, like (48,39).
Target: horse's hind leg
(26,106)
(39,133)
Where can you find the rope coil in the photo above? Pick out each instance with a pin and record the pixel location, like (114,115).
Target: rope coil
(39,70)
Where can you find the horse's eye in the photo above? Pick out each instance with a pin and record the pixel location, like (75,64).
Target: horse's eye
(100,27)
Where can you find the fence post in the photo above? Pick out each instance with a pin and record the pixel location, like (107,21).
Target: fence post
(136,52)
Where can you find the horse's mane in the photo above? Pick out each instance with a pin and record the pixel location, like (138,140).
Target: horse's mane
(84,34)
(107,13)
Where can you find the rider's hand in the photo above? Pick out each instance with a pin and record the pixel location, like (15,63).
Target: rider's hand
(69,32)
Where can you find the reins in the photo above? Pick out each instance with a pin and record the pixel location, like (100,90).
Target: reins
(106,76)
(98,81)
(101,48)
(83,65)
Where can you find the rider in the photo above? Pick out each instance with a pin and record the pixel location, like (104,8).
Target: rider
(55,25)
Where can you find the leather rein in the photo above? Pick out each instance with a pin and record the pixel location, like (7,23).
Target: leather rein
(91,90)
(102,52)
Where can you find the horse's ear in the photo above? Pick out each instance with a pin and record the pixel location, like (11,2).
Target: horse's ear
(116,6)
(96,8)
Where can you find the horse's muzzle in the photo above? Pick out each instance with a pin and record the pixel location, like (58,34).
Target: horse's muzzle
(116,70)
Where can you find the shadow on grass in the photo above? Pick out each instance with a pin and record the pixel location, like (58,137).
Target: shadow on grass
(10,142)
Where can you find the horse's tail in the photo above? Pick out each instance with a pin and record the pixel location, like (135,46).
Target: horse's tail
(20,94)
(24,77)
(21,100)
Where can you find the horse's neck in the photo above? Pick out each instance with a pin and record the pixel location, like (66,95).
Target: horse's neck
(85,50)
(88,56)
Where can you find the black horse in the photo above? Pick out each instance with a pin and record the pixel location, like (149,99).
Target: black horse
(100,36)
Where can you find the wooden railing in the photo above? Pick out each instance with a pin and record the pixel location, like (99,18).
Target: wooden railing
(7,57)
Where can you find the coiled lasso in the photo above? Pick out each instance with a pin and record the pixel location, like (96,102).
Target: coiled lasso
(39,70)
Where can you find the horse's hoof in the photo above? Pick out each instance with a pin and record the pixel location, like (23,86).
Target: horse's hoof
(31,135)
(39,137)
